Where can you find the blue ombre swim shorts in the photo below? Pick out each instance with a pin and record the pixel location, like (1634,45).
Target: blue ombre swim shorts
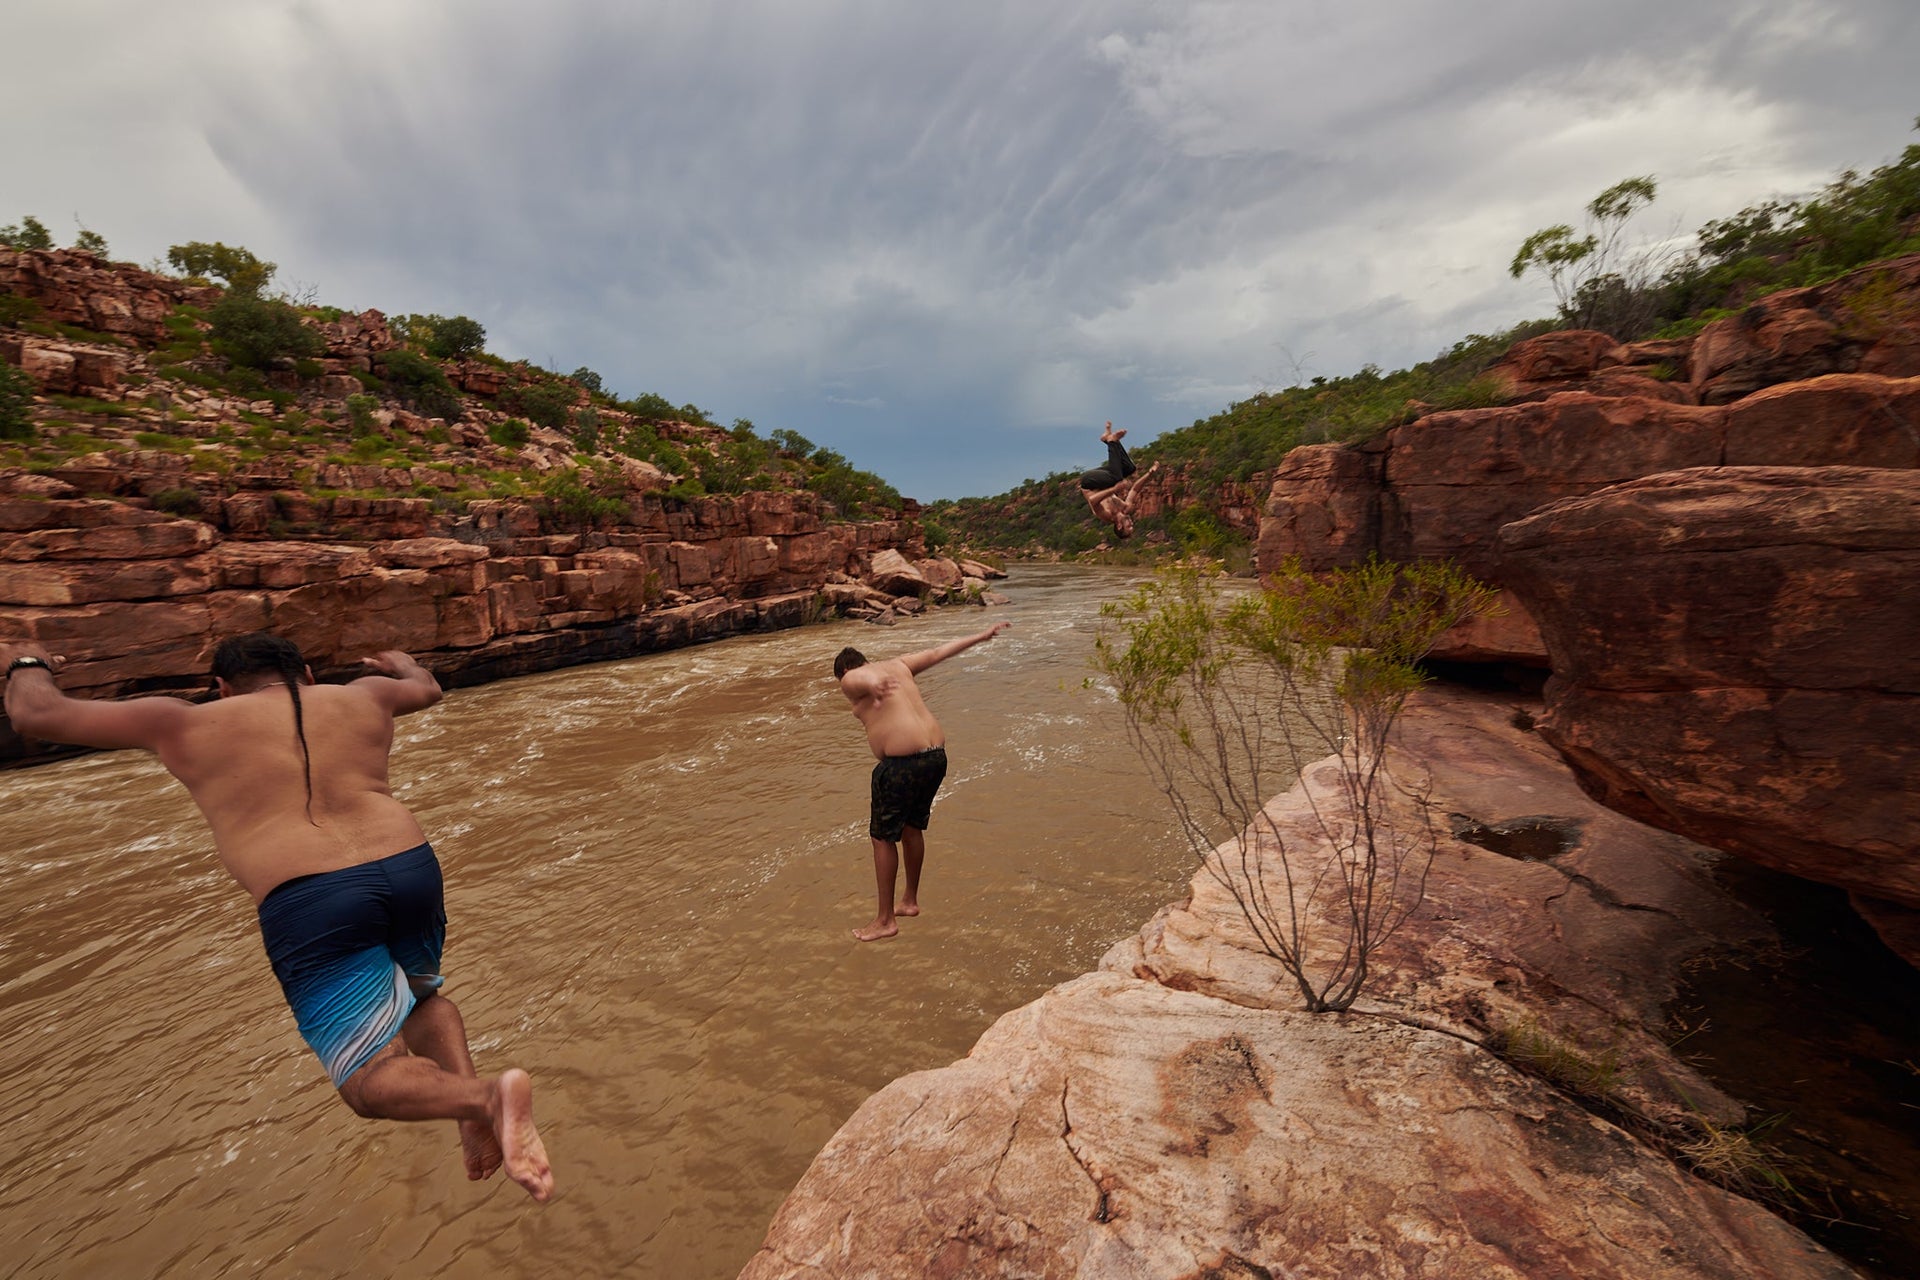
(354,950)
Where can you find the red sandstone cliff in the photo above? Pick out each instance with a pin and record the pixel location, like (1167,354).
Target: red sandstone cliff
(180,527)
(1722,559)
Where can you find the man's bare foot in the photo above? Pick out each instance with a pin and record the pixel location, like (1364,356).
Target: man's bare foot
(876,931)
(511,1113)
(907,909)
(479,1149)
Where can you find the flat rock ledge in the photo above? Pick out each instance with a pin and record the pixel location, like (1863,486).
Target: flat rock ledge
(1174,1114)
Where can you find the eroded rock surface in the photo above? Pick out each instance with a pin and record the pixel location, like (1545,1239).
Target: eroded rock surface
(1736,656)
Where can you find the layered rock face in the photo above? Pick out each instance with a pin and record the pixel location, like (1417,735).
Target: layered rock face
(205,513)
(1736,656)
(1807,378)
(1733,604)
(1173,1114)
(135,600)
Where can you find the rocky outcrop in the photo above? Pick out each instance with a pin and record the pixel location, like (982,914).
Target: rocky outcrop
(73,287)
(1173,1114)
(1586,360)
(1734,658)
(1865,322)
(1826,376)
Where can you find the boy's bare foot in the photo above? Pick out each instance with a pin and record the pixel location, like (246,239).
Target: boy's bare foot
(876,931)
(479,1149)
(907,909)
(511,1112)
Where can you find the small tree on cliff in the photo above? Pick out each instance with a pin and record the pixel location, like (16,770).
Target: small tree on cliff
(1597,280)
(1230,698)
(240,268)
(28,233)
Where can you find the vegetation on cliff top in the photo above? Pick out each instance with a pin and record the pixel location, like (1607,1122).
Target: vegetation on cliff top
(239,379)
(1602,280)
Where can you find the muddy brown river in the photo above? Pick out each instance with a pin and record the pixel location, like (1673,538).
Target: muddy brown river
(652,867)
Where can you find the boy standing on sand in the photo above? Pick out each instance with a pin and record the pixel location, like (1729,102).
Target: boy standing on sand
(911,750)
(292,777)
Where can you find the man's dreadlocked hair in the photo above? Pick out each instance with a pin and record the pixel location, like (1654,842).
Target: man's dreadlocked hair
(261,653)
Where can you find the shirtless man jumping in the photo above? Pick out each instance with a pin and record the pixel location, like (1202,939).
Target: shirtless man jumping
(292,777)
(911,749)
(1109,489)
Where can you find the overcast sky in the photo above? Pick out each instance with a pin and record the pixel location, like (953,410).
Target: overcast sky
(948,240)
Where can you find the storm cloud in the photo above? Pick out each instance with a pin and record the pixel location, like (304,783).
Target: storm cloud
(948,241)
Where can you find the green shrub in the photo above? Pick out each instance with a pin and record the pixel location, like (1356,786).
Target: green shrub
(91,242)
(16,403)
(177,502)
(422,384)
(28,233)
(545,403)
(243,272)
(509,434)
(583,498)
(586,428)
(360,413)
(254,332)
(16,308)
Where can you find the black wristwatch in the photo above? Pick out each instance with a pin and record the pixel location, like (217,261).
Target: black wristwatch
(28,660)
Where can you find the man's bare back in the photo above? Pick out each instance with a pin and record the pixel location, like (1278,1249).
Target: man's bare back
(256,800)
(292,778)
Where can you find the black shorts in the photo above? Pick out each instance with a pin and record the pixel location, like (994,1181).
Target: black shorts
(903,788)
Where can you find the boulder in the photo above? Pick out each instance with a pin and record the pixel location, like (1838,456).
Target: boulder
(1734,659)
(890,572)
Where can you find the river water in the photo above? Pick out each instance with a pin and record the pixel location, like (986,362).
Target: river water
(652,867)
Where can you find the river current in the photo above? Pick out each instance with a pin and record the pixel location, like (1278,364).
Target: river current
(652,868)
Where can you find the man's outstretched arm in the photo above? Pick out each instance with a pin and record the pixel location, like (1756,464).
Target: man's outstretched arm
(401,685)
(37,709)
(918,662)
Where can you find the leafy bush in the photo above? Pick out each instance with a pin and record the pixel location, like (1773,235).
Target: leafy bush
(545,403)
(28,233)
(243,272)
(587,378)
(1323,663)
(586,428)
(442,337)
(254,332)
(16,402)
(651,408)
(177,502)
(584,498)
(509,434)
(17,307)
(421,384)
(360,410)
(92,242)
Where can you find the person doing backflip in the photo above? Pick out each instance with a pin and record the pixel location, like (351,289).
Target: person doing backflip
(1109,489)
(292,778)
(911,750)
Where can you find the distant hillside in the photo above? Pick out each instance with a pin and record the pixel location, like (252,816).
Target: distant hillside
(1628,293)
(232,374)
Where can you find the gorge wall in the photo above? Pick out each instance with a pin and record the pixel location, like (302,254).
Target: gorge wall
(1718,565)
(176,514)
